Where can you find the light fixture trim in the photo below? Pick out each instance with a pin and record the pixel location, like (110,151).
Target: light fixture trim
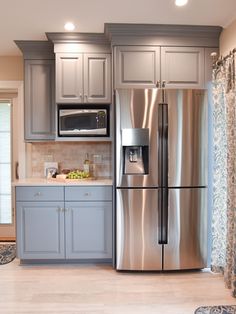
(69,26)
(181,3)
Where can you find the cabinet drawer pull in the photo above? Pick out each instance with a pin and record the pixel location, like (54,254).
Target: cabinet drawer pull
(38,194)
(87,194)
(60,209)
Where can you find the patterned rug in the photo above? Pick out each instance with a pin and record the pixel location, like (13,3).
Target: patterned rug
(220,309)
(7,252)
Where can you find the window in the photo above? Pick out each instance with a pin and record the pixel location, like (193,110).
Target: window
(5,164)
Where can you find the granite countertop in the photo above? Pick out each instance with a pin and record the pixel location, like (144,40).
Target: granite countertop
(60,182)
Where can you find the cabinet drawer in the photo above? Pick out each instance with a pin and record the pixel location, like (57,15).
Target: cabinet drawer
(82,193)
(39,193)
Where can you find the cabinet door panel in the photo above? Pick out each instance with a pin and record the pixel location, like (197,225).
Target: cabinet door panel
(39,100)
(97,78)
(88,230)
(182,67)
(69,78)
(137,66)
(40,230)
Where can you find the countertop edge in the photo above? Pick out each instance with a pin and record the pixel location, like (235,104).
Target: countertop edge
(50,182)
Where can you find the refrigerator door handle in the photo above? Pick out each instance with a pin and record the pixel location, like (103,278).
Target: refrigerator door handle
(160,144)
(165,146)
(164,216)
(160,216)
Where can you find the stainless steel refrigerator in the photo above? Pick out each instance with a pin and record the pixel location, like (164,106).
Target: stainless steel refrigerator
(161,178)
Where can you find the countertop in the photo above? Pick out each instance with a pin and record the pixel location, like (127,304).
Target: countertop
(61,182)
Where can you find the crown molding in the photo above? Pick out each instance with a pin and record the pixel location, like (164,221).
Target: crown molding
(72,37)
(159,33)
(36,49)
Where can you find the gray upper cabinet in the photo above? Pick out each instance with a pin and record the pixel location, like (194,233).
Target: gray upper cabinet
(182,67)
(39,89)
(146,67)
(147,53)
(137,66)
(39,100)
(83,78)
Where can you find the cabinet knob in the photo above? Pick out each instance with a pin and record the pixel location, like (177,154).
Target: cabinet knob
(87,194)
(158,84)
(163,84)
(38,194)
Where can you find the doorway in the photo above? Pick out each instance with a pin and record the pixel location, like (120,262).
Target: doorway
(12,152)
(7,225)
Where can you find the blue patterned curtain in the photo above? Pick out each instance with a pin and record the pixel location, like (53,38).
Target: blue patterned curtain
(224,171)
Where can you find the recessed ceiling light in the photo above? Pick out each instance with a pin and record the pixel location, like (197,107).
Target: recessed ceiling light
(180,3)
(69,26)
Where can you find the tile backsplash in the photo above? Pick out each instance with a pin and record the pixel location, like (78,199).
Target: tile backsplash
(70,155)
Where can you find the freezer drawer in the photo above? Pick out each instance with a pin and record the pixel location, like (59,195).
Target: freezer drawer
(187,229)
(137,245)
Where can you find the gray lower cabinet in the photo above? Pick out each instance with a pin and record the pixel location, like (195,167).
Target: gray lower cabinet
(83,78)
(40,230)
(88,222)
(39,100)
(88,230)
(64,222)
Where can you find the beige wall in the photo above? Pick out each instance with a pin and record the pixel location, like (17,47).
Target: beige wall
(11,68)
(228,39)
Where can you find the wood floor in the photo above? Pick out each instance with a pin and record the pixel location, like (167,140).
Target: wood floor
(99,289)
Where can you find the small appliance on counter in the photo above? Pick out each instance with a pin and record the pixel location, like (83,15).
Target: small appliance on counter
(50,169)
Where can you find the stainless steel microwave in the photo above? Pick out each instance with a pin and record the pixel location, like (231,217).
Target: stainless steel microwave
(83,120)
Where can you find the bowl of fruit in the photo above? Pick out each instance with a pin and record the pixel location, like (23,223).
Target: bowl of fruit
(77,175)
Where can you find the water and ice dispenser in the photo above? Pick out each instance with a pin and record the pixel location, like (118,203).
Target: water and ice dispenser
(135,145)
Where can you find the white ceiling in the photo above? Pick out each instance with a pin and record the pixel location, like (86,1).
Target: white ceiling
(30,19)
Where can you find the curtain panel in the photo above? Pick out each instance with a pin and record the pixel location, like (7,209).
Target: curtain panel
(223,256)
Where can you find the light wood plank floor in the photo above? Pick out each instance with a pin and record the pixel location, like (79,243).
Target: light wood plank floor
(99,289)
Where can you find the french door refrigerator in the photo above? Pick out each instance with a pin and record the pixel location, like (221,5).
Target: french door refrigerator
(161,169)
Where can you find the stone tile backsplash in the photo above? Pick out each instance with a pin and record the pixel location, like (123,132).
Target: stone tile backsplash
(71,155)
